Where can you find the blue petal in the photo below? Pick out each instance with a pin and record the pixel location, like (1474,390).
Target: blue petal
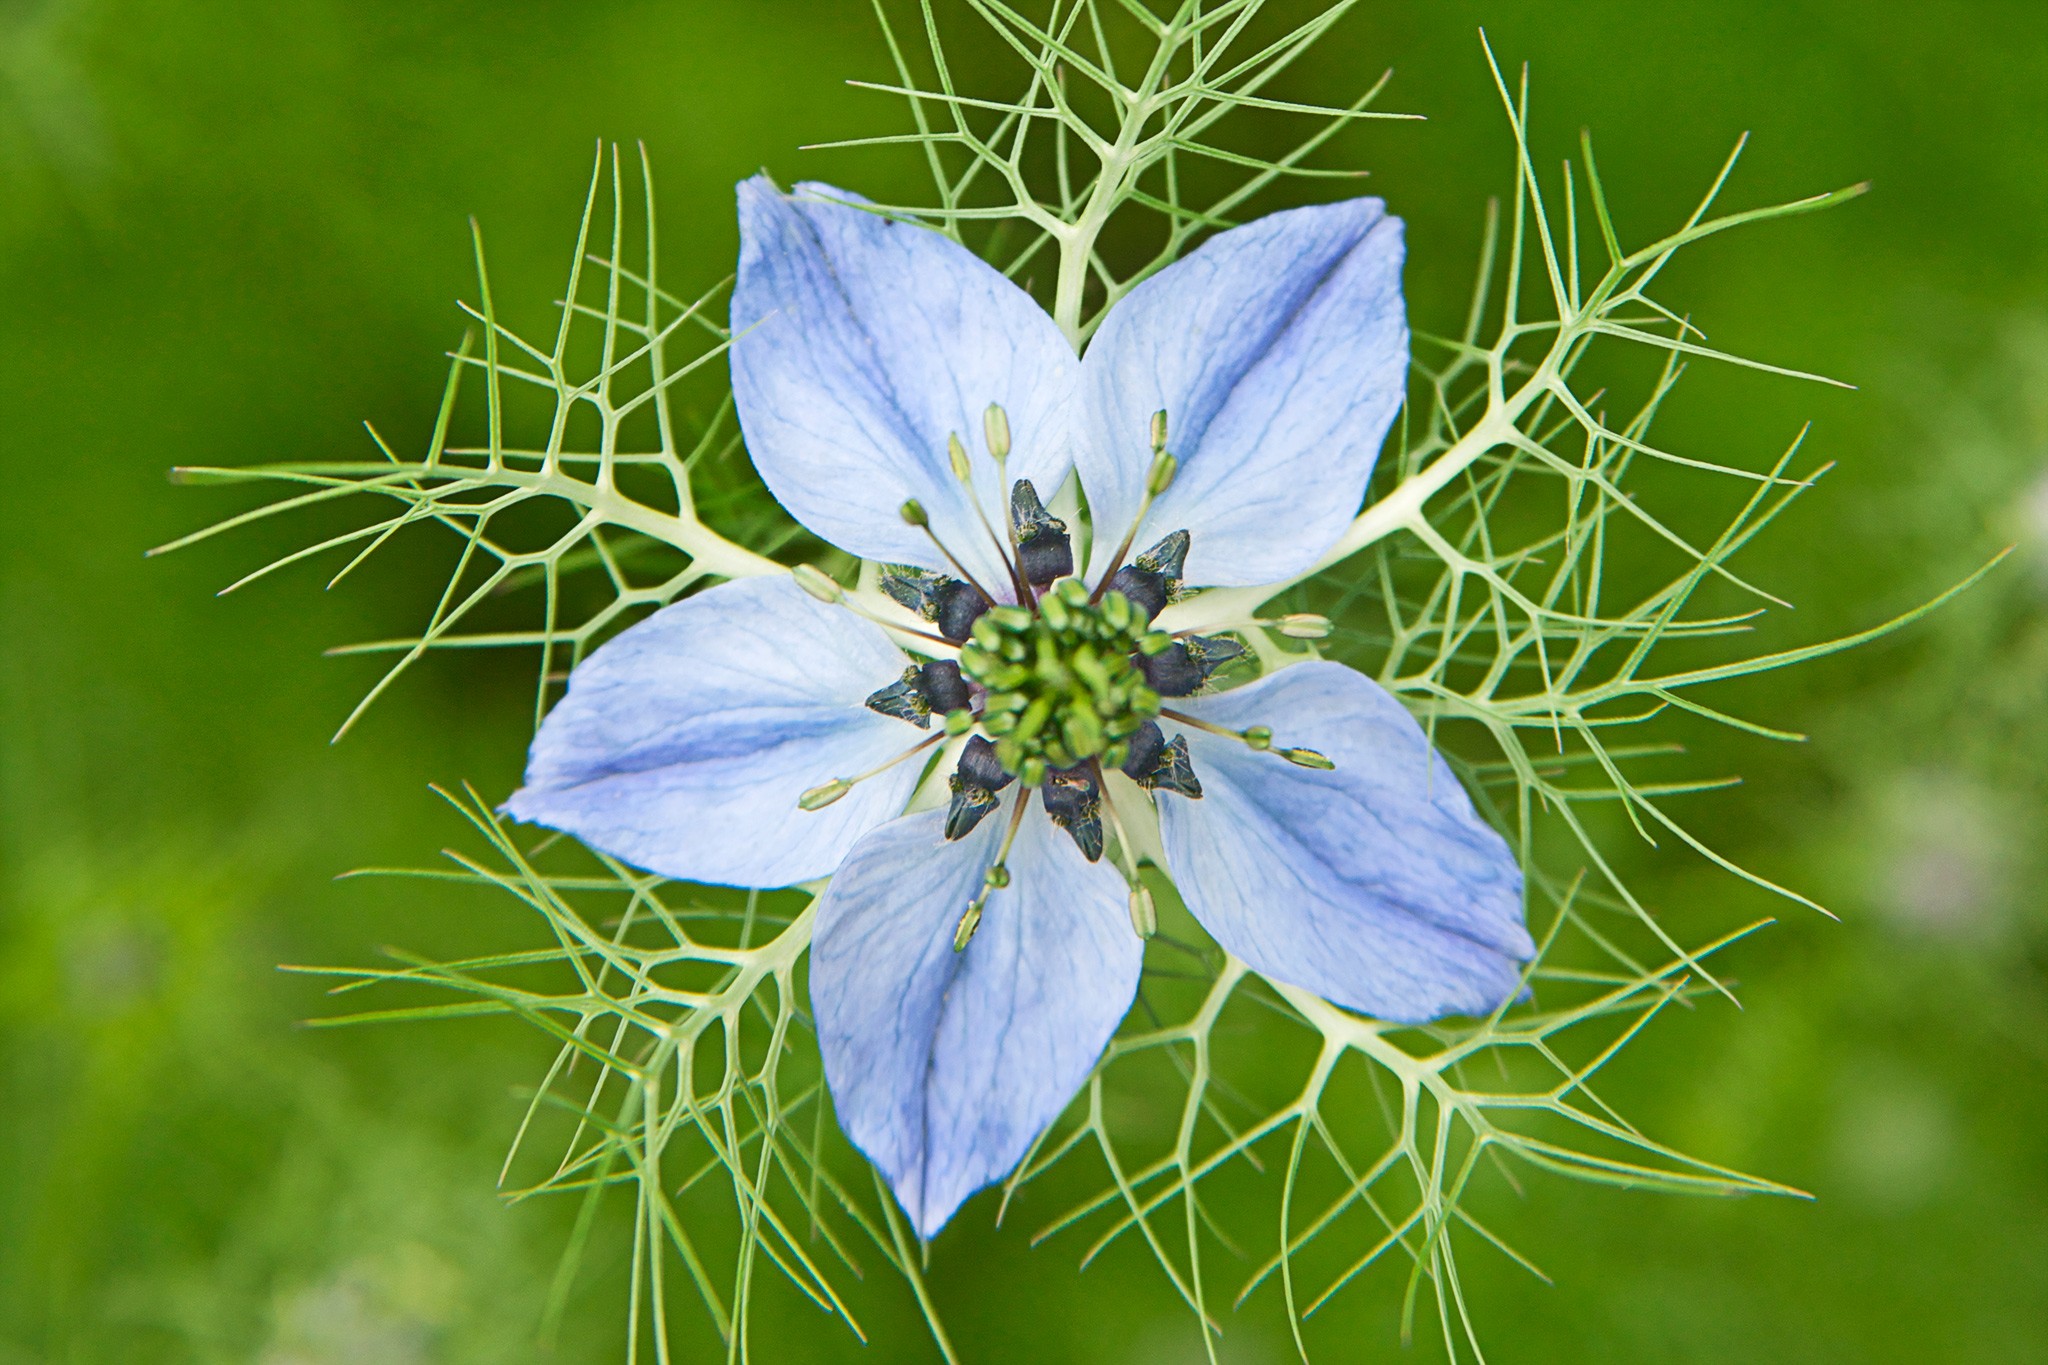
(1279,351)
(1376,886)
(683,744)
(946,1066)
(860,345)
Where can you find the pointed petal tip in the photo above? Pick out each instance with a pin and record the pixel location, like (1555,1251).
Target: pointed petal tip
(1279,350)
(945,1066)
(862,342)
(696,773)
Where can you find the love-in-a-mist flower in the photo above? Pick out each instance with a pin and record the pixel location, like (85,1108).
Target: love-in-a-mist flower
(910,405)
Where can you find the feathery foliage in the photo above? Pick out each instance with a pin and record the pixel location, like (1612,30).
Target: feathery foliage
(1519,577)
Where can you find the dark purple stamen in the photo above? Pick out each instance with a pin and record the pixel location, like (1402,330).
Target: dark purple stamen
(1073,799)
(975,781)
(1157,765)
(1045,551)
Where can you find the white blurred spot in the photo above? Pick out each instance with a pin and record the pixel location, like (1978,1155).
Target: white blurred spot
(2033,519)
(1177,1341)
(1894,1140)
(1943,857)
(382,1310)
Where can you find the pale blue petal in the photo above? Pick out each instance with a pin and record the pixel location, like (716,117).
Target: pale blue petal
(683,744)
(1376,886)
(945,1066)
(1279,351)
(860,345)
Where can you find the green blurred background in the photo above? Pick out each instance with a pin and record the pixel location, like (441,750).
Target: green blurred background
(229,232)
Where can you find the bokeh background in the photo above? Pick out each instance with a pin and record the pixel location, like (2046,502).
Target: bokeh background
(229,232)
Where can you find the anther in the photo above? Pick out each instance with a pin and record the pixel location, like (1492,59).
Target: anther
(814,582)
(823,795)
(962,470)
(995,879)
(817,798)
(1160,477)
(1302,626)
(914,513)
(1144,914)
(1259,737)
(995,430)
(1307,758)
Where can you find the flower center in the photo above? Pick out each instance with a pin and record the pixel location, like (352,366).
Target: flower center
(1062,687)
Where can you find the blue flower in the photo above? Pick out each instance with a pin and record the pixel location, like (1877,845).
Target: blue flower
(904,400)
